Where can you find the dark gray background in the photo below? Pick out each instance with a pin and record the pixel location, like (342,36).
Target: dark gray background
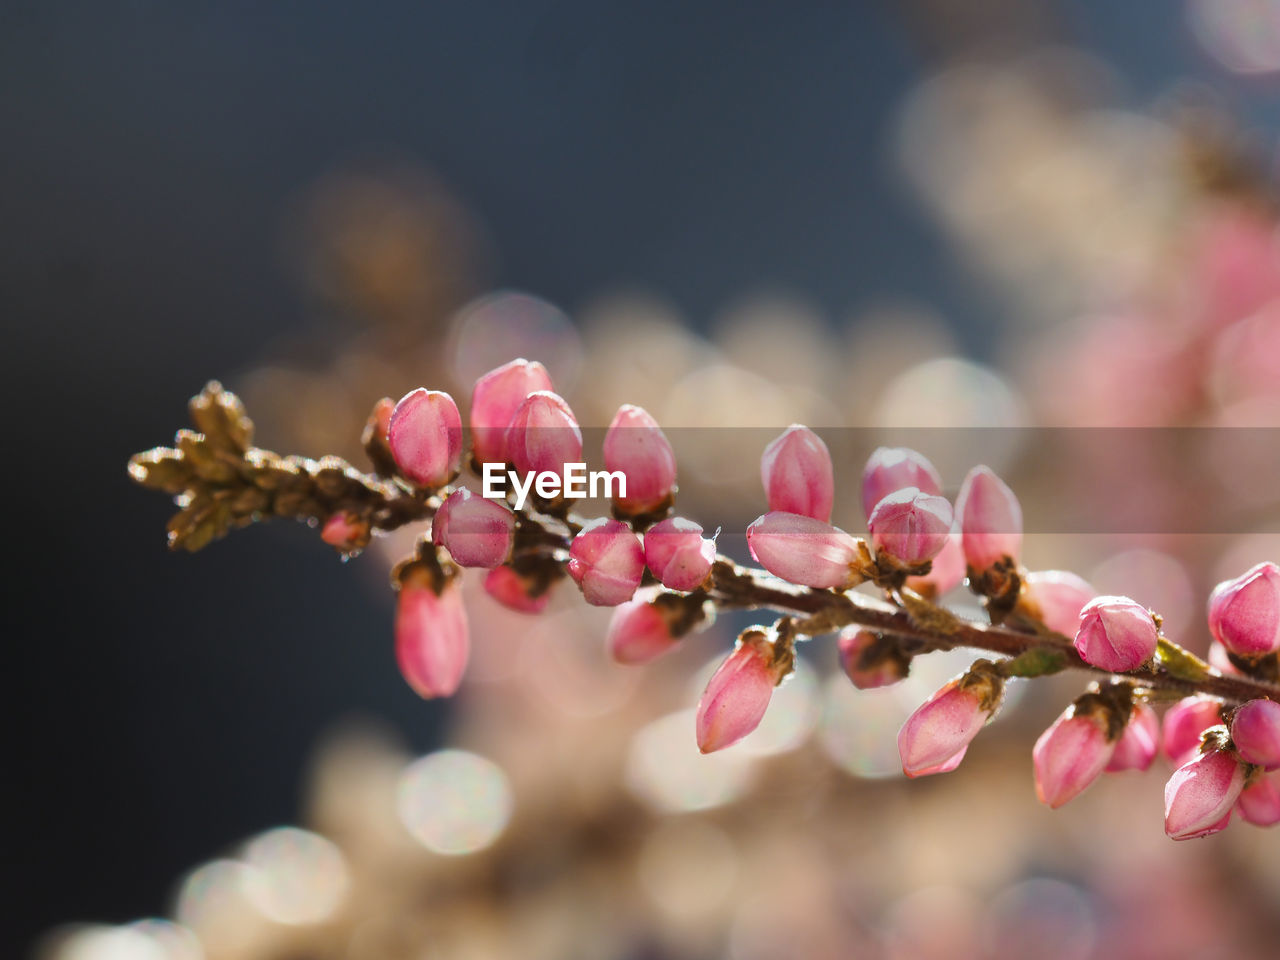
(160,707)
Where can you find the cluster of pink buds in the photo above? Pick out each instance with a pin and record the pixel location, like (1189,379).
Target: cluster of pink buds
(664,580)
(1225,760)
(517,421)
(911,525)
(1229,758)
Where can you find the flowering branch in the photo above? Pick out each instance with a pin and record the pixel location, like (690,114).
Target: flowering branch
(1224,731)
(935,628)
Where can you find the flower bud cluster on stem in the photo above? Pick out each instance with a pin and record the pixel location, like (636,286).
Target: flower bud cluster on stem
(663,578)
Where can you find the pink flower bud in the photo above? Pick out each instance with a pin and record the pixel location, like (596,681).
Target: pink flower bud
(1220,661)
(432,641)
(494,401)
(990,519)
(379,422)
(476,532)
(869,661)
(346,531)
(678,554)
(890,469)
(1259,802)
(1116,634)
(946,766)
(1201,793)
(639,631)
(910,526)
(652,622)
(425,436)
(803,550)
(797,474)
(607,562)
(945,724)
(636,446)
(1183,724)
(374,437)
(1244,613)
(543,435)
(737,695)
(1139,743)
(948,569)
(514,591)
(1069,756)
(1255,731)
(1211,829)
(1059,595)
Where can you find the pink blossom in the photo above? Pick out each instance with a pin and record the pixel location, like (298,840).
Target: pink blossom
(1201,793)
(802,550)
(1060,595)
(853,642)
(990,519)
(1069,756)
(946,766)
(910,526)
(941,727)
(1116,634)
(639,631)
(890,469)
(1259,802)
(1140,742)
(736,697)
(425,437)
(514,591)
(797,474)
(345,530)
(1244,613)
(543,435)
(432,639)
(476,532)
(678,554)
(607,562)
(494,401)
(1183,724)
(947,571)
(1220,661)
(636,446)
(1255,731)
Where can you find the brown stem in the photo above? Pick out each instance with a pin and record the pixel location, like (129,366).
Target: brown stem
(937,629)
(220,481)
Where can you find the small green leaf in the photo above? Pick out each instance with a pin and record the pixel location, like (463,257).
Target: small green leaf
(1036,662)
(1179,662)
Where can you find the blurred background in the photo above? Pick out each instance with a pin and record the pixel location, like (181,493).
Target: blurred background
(973,228)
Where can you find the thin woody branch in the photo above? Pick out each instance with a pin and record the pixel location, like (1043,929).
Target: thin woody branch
(938,629)
(528,543)
(221,482)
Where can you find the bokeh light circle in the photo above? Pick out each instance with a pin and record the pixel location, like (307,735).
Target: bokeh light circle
(498,327)
(666,770)
(301,877)
(454,802)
